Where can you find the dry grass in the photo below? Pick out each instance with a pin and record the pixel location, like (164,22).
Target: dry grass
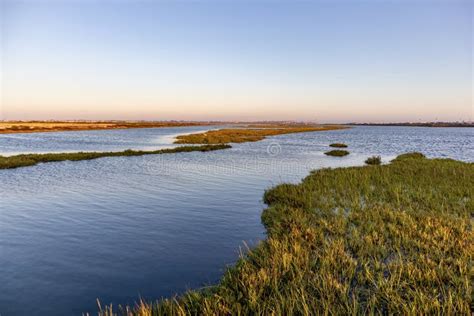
(10,127)
(390,239)
(243,135)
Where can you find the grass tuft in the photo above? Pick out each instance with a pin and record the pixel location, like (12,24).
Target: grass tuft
(397,239)
(374,160)
(337,153)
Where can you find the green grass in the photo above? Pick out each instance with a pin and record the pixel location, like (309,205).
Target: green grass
(33,159)
(337,153)
(389,239)
(374,160)
(338,145)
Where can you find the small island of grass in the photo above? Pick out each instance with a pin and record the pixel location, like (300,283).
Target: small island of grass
(337,153)
(25,160)
(338,145)
(352,241)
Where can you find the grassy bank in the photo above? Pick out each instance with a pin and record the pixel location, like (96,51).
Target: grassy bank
(243,135)
(33,159)
(389,239)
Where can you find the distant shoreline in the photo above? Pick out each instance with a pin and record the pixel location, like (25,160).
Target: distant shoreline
(14,127)
(426,124)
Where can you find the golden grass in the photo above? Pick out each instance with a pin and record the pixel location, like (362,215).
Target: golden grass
(243,135)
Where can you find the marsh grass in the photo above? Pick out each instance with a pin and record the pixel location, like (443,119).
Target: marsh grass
(337,153)
(374,160)
(33,159)
(338,145)
(395,239)
(243,135)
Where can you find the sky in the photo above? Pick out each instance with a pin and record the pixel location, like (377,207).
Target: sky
(319,61)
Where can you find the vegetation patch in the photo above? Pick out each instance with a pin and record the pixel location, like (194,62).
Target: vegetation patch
(397,239)
(33,159)
(374,160)
(243,135)
(338,145)
(337,153)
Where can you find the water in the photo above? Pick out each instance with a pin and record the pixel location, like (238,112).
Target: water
(128,227)
(100,140)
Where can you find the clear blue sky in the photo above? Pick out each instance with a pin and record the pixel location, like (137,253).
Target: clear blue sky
(244,60)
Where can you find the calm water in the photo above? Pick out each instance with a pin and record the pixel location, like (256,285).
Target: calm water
(128,227)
